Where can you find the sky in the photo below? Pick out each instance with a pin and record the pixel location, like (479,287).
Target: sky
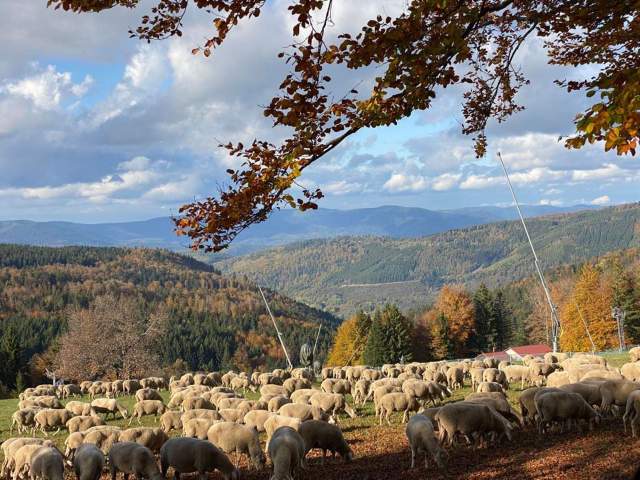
(95,126)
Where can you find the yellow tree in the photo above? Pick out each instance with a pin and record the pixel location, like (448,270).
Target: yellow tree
(456,305)
(349,342)
(590,304)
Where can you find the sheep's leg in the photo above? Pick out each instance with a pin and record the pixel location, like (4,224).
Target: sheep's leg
(413,458)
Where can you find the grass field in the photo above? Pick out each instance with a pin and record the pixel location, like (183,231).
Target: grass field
(381,452)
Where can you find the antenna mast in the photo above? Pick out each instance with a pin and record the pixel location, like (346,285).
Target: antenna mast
(286,354)
(555,322)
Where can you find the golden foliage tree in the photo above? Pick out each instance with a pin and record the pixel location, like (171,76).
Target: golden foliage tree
(451,322)
(590,301)
(349,341)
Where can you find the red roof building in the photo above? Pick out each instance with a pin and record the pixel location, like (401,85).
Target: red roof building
(538,350)
(498,355)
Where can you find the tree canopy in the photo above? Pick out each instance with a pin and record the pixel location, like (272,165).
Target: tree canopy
(430,45)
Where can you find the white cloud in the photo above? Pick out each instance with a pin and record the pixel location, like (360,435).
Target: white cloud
(341,187)
(399,182)
(548,201)
(445,181)
(603,200)
(46,89)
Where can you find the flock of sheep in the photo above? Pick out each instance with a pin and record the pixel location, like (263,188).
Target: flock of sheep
(215,419)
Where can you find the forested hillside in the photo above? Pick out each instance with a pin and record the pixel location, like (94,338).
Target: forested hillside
(213,321)
(347,273)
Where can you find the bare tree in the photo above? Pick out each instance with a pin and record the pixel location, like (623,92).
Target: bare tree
(115,337)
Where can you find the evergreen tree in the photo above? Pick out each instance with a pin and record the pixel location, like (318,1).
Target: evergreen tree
(374,349)
(484,340)
(626,295)
(398,333)
(500,324)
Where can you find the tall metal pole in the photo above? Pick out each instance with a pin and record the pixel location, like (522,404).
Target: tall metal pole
(315,345)
(555,322)
(276,327)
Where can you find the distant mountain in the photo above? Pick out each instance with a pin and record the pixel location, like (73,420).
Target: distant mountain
(346,273)
(284,226)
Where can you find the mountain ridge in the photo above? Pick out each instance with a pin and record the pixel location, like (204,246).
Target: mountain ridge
(332,274)
(285,226)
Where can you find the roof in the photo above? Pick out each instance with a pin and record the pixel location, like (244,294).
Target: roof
(539,349)
(499,355)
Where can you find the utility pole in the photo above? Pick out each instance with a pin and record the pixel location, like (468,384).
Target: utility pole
(619,314)
(286,354)
(555,322)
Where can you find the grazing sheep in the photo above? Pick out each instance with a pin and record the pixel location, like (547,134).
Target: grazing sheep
(455,378)
(229,402)
(131,458)
(197,428)
(242,383)
(632,412)
(286,450)
(590,391)
(10,448)
(189,455)
(41,402)
(171,420)
(200,413)
(108,406)
(631,371)
(360,391)
(274,422)
(149,437)
(47,464)
(22,459)
(332,403)
(498,401)
(563,407)
(634,354)
(102,437)
(332,385)
(70,390)
(83,422)
(557,379)
(319,434)
(422,439)
(616,392)
(50,418)
(78,408)
(88,462)
(130,386)
(148,394)
(528,404)
(486,387)
(147,407)
(231,415)
(272,390)
(476,376)
(72,443)
(24,420)
(397,402)
(196,402)
(276,402)
(231,437)
(471,420)
(494,375)
(257,418)
(303,412)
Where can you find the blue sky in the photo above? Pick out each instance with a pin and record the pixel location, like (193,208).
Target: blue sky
(95,126)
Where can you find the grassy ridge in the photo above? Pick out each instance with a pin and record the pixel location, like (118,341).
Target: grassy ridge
(322,273)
